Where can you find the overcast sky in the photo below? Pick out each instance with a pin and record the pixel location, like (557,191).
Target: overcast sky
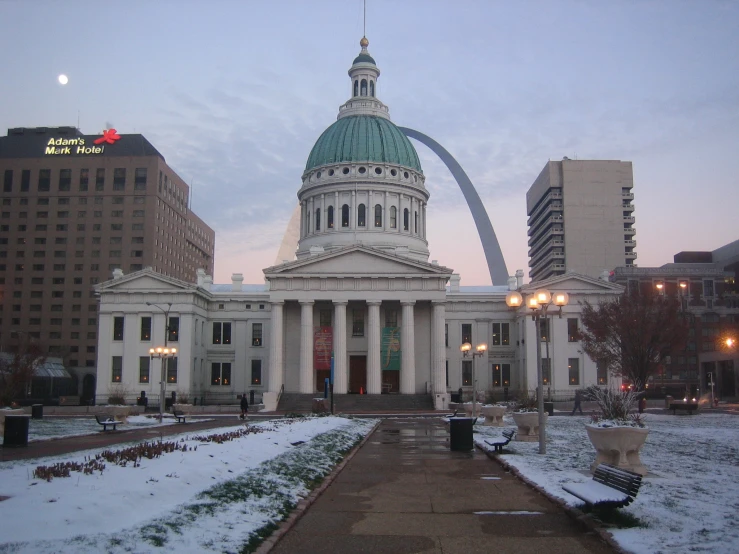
(235,93)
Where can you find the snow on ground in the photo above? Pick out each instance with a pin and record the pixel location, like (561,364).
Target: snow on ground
(57,427)
(179,499)
(689,500)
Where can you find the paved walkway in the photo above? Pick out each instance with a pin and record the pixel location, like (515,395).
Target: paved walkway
(404,491)
(105,439)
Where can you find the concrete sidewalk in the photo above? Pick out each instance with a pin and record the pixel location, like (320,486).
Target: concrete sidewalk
(404,491)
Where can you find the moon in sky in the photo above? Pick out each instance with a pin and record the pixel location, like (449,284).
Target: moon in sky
(63,79)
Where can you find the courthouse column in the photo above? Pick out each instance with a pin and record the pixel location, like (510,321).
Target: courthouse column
(275,348)
(374,376)
(408,348)
(438,348)
(306,347)
(340,374)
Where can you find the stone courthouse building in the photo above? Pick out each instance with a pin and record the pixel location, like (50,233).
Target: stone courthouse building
(361,295)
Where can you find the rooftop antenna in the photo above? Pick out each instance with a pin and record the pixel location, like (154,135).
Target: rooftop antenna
(364,22)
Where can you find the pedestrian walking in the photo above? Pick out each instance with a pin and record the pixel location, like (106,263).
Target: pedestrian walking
(578,399)
(244,406)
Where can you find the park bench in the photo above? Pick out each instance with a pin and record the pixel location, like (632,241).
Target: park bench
(179,415)
(687,406)
(105,421)
(501,442)
(611,487)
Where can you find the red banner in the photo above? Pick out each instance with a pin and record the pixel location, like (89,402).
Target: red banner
(323,345)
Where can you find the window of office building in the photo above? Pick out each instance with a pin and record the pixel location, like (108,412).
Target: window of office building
(501,334)
(220,374)
(44,180)
(117,368)
(144,368)
(467,333)
(256,372)
(145,328)
(572,332)
(119,178)
(357,323)
(546,370)
(573,365)
(256,334)
(174,329)
(221,332)
(466,373)
(171,370)
(65,180)
(501,375)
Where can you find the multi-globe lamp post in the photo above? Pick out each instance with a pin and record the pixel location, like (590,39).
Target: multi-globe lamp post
(480,350)
(539,303)
(163,353)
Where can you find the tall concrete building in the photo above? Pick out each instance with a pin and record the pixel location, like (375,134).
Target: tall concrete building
(74,209)
(581,218)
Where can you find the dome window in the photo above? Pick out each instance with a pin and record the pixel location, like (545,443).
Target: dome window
(372,88)
(405,174)
(318,219)
(405,219)
(330,172)
(363,170)
(378,170)
(415,178)
(361,215)
(345,215)
(378,215)
(345,171)
(356,88)
(415,214)
(393,172)
(363,88)
(393,217)
(330,217)
(318,175)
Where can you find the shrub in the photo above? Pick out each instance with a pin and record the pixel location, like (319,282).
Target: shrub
(615,405)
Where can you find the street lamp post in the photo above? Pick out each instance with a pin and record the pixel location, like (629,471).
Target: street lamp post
(539,303)
(162,353)
(466,349)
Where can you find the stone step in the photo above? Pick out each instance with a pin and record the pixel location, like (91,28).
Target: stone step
(347,403)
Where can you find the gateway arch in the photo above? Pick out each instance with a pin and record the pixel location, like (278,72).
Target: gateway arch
(490,245)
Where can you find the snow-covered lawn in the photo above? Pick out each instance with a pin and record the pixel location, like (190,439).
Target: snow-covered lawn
(688,502)
(55,427)
(212,497)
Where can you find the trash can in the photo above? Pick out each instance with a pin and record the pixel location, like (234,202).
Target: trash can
(549,408)
(37,411)
(455,398)
(16,430)
(460,434)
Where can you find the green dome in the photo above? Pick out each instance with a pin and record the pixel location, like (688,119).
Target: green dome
(366,58)
(363,138)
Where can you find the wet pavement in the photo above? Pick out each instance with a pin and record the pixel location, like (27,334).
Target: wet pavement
(404,491)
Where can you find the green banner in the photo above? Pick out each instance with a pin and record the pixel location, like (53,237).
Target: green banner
(390,349)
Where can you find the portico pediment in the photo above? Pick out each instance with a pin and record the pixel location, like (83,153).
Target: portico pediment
(574,283)
(144,280)
(357,261)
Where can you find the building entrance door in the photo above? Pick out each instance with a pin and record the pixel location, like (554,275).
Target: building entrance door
(321,376)
(390,381)
(357,374)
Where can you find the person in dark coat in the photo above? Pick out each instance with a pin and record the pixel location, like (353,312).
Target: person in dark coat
(578,399)
(244,406)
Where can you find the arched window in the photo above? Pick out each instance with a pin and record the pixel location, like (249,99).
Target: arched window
(363,88)
(307,222)
(416,221)
(361,216)
(356,88)
(393,217)
(345,215)
(372,88)
(318,219)
(405,219)
(330,216)
(378,215)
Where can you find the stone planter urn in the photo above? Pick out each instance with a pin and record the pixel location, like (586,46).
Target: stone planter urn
(184,408)
(119,413)
(618,446)
(493,415)
(4,413)
(528,425)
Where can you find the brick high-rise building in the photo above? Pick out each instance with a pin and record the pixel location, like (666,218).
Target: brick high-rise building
(75,208)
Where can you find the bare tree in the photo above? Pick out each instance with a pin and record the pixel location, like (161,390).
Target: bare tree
(17,369)
(633,334)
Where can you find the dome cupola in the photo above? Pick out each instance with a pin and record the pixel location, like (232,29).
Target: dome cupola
(363,181)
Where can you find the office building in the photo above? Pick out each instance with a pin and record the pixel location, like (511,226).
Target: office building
(75,208)
(581,218)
